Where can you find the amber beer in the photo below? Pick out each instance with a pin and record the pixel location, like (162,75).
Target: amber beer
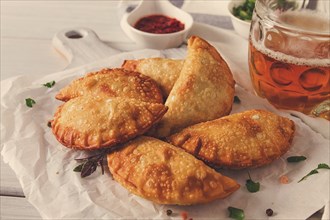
(292,71)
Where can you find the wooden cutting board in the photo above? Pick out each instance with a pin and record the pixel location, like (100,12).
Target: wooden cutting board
(80,46)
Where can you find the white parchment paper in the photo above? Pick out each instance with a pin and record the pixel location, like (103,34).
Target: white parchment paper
(45,168)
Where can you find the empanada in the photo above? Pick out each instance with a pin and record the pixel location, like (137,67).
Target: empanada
(204,90)
(162,173)
(249,139)
(114,83)
(92,122)
(164,71)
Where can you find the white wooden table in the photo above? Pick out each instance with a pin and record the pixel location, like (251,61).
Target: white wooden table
(27,29)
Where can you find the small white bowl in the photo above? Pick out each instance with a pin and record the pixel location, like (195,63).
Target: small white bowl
(241,27)
(156,41)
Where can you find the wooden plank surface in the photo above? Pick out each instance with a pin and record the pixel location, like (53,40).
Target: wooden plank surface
(17,208)
(17,58)
(27,29)
(42,19)
(10,185)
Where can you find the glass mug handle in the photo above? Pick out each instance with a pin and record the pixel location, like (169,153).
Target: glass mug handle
(322,110)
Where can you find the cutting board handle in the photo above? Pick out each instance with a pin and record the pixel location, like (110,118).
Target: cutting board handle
(81,46)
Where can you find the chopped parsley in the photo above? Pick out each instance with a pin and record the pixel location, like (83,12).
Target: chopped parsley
(244,11)
(49,84)
(236,213)
(29,102)
(295,159)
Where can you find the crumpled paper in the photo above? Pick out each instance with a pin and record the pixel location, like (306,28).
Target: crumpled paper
(45,168)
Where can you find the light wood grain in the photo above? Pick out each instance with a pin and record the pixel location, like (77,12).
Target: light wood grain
(10,185)
(42,19)
(27,29)
(18,57)
(214,7)
(17,208)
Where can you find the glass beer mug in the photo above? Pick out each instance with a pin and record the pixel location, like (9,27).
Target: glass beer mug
(289,54)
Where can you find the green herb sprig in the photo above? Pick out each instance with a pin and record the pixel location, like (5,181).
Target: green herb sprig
(252,186)
(89,164)
(244,11)
(315,171)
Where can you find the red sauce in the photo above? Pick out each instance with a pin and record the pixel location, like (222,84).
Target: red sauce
(159,24)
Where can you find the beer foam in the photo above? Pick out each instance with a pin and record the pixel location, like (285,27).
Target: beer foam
(304,21)
(280,56)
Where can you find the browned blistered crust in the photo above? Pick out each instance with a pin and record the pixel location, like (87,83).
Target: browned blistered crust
(164,174)
(114,83)
(164,71)
(249,139)
(94,122)
(204,90)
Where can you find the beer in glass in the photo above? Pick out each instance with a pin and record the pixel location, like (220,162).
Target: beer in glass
(289,54)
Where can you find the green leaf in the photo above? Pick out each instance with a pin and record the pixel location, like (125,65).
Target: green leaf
(309,174)
(88,165)
(295,159)
(245,10)
(78,168)
(323,166)
(320,166)
(29,102)
(88,168)
(49,84)
(244,15)
(252,186)
(236,213)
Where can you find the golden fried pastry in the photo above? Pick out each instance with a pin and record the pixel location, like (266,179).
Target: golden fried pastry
(164,71)
(93,122)
(204,90)
(249,139)
(162,173)
(114,83)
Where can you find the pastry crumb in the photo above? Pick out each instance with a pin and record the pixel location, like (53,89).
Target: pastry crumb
(184,215)
(284,179)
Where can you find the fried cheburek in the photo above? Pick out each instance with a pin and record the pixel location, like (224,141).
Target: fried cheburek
(162,173)
(164,71)
(114,83)
(249,139)
(92,122)
(204,90)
